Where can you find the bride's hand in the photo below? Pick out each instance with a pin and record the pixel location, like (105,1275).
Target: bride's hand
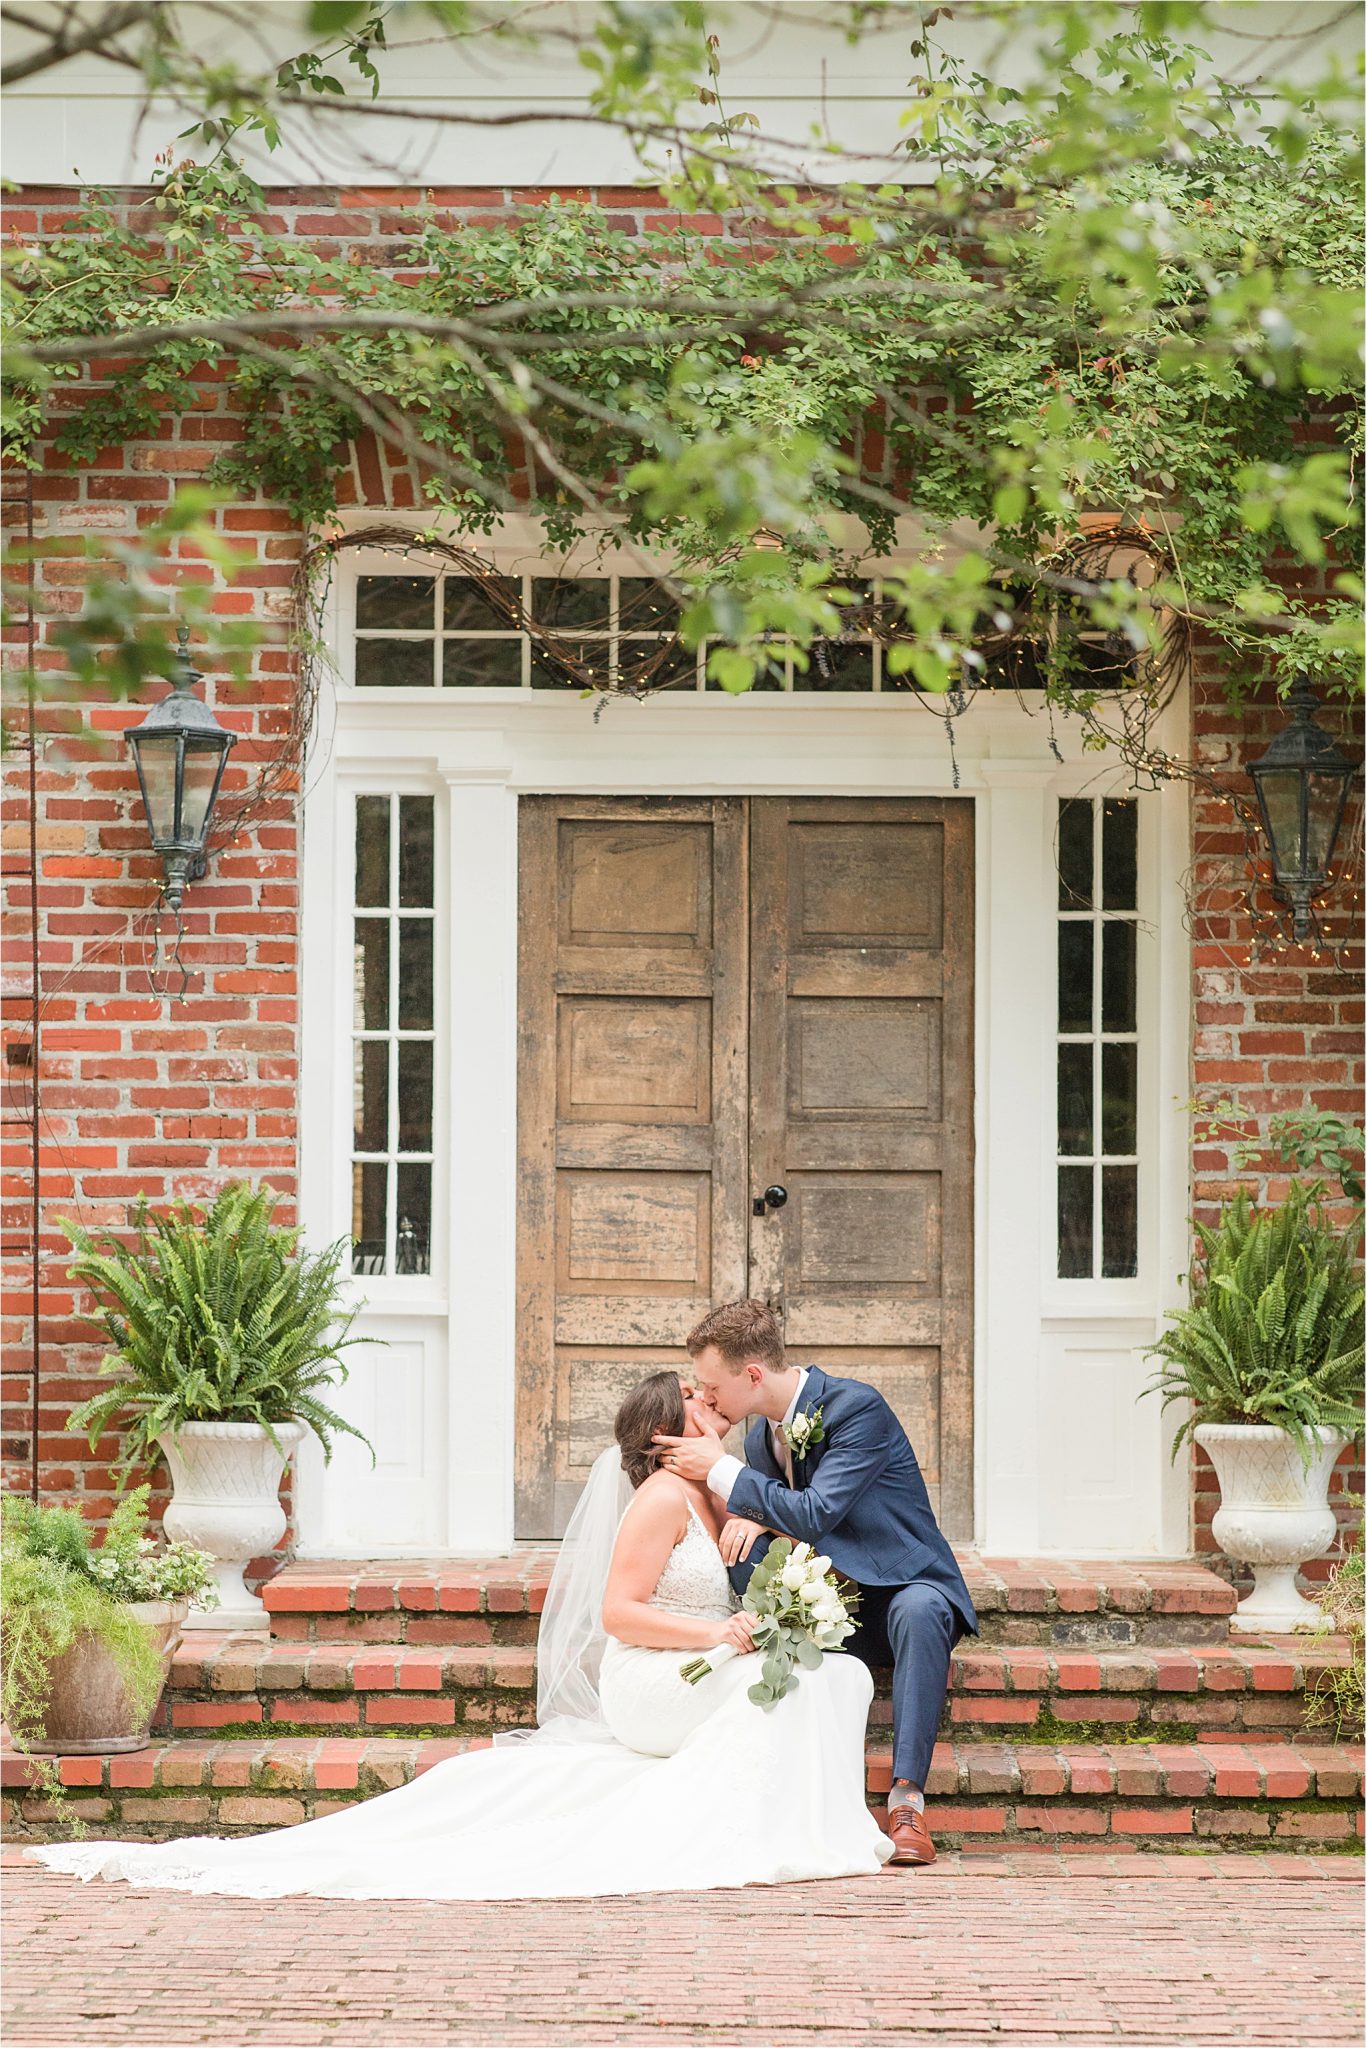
(738,1537)
(739,1631)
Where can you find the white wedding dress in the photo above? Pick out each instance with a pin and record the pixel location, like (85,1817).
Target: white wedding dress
(695,1788)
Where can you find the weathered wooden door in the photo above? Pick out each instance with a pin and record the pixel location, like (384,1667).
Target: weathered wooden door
(860,1064)
(718,997)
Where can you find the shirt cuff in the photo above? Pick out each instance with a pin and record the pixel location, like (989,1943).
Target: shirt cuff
(724,1474)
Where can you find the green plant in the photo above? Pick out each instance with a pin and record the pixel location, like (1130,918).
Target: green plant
(1337,1698)
(1123,288)
(1272,1333)
(129,1565)
(1307,1140)
(213,1316)
(50,1594)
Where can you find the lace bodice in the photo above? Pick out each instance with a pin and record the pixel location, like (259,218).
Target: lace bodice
(694,1579)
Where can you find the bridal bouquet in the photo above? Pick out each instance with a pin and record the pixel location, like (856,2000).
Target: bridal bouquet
(803,1611)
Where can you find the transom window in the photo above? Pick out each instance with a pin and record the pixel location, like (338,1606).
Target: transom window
(1097,1057)
(393,1034)
(451,631)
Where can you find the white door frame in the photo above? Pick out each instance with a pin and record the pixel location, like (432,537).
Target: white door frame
(1065,1460)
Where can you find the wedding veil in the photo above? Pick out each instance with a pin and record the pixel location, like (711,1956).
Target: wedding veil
(572,1638)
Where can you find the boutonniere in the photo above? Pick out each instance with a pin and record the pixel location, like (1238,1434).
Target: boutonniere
(803,1431)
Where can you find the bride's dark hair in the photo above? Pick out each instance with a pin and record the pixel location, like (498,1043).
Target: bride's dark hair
(657,1403)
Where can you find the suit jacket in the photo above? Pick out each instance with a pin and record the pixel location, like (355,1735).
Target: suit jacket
(857,1496)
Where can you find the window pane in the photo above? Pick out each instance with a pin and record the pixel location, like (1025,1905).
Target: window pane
(1075,1230)
(583,665)
(1119,976)
(372,852)
(1075,835)
(368,1187)
(571,603)
(1119,841)
(413,1246)
(1076,1067)
(395,665)
(471,604)
(416,852)
(415,1096)
(676,670)
(1119,1099)
(1075,943)
(837,665)
(415,974)
(642,607)
(1105,662)
(1119,1222)
(370,1119)
(482,665)
(395,601)
(370,1009)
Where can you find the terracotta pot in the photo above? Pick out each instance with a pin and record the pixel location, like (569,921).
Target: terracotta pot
(88,1708)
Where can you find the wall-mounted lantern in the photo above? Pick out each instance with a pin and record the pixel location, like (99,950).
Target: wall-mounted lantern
(1302,782)
(181,751)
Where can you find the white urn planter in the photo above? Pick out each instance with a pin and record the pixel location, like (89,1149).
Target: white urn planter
(1272,1515)
(226,1500)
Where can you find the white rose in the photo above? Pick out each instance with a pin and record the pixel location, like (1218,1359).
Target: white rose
(793,1576)
(820,1565)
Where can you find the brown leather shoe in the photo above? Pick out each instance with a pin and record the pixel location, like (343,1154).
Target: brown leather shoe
(910,1836)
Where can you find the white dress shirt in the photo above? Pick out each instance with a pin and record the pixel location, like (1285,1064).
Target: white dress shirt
(723,1473)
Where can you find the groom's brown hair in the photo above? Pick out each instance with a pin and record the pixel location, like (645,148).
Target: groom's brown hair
(740,1331)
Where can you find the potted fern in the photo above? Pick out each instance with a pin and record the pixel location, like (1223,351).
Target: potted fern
(89,1633)
(224,1338)
(1269,1357)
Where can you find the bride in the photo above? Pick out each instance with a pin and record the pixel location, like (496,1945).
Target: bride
(633,1780)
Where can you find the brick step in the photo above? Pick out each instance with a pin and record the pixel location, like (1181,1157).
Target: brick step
(495,1600)
(982,1795)
(1030,1693)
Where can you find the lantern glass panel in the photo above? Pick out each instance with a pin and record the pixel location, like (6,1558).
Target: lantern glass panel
(1279,790)
(156,756)
(1326,794)
(202,763)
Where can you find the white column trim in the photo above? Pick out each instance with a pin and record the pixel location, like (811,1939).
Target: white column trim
(481,1151)
(1015,933)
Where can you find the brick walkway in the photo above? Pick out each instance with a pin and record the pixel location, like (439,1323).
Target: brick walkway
(1158,1950)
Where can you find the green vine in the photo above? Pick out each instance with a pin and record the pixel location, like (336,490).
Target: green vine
(1148,340)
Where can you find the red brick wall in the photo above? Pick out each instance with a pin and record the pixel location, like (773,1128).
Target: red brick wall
(1269,1034)
(144,1094)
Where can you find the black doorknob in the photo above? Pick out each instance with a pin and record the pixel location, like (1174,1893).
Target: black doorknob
(775,1196)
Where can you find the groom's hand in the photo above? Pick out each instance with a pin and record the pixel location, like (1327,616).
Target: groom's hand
(691,1457)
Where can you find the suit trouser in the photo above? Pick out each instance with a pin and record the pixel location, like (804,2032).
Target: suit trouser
(913,1628)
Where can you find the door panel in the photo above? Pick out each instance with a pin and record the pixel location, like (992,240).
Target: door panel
(717,994)
(861,982)
(632,1112)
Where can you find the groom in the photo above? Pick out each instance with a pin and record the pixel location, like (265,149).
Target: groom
(828,1463)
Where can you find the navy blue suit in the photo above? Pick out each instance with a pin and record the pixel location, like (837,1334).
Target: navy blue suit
(858,1497)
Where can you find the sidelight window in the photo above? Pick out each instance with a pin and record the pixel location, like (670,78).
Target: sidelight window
(1097,1038)
(393,1034)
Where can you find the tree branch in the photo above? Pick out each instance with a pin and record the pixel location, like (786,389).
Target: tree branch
(60,45)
